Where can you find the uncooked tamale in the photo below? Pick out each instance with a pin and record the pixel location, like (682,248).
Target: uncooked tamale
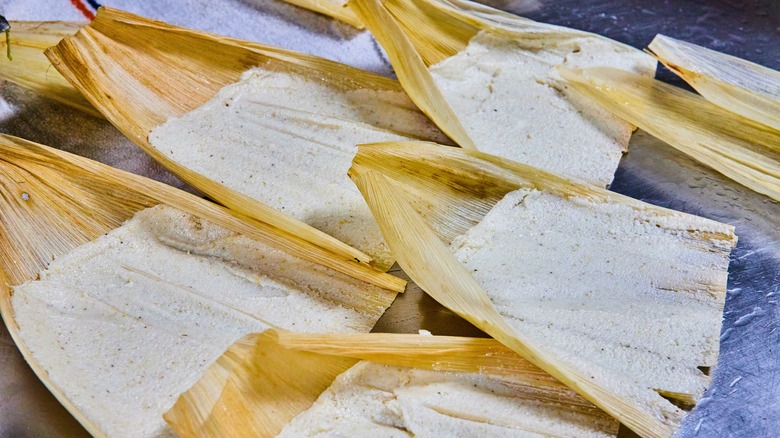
(119,319)
(620,300)
(406,385)
(489,80)
(244,123)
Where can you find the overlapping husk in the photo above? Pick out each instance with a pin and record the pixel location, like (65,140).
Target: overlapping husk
(424,195)
(423,36)
(734,84)
(29,67)
(55,201)
(265,380)
(139,73)
(744,150)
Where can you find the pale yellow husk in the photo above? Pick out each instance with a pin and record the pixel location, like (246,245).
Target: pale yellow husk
(734,84)
(265,380)
(30,68)
(424,195)
(56,201)
(140,73)
(742,149)
(333,8)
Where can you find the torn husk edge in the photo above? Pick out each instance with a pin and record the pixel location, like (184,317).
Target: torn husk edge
(734,84)
(265,380)
(741,149)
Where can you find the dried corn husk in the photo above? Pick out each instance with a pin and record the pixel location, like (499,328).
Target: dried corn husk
(30,68)
(424,196)
(140,73)
(739,86)
(332,8)
(255,388)
(487,79)
(265,380)
(744,150)
(56,201)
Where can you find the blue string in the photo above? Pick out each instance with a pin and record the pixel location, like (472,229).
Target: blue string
(95,5)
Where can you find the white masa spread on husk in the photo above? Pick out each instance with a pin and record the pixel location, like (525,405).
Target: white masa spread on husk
(633,298)
(288,141)
(387,401)
(126,323)
(513,103)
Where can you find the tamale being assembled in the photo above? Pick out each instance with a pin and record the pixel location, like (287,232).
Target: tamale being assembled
(621,301)
(489,80)
(119,320)
(246,124)
(405,385)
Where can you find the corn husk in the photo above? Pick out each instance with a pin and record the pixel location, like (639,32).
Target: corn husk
(30,68)
(56,201)
(415,189)
(332,8)
(139,73)
(265,380)
(255,389)
(743,87)
(741,149)
(423,38)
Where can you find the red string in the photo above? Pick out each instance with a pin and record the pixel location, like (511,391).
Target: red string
(84,10)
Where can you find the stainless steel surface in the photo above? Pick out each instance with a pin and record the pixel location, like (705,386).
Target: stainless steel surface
(744,398)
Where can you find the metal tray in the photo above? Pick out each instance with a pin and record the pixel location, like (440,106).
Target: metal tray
(744,398)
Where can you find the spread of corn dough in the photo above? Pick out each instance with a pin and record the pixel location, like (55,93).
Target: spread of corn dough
(387,401)
(126,323)
(513,103)
(631,297)
(288,141)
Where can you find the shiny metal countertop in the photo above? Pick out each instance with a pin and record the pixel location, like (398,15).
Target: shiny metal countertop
(744,398)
